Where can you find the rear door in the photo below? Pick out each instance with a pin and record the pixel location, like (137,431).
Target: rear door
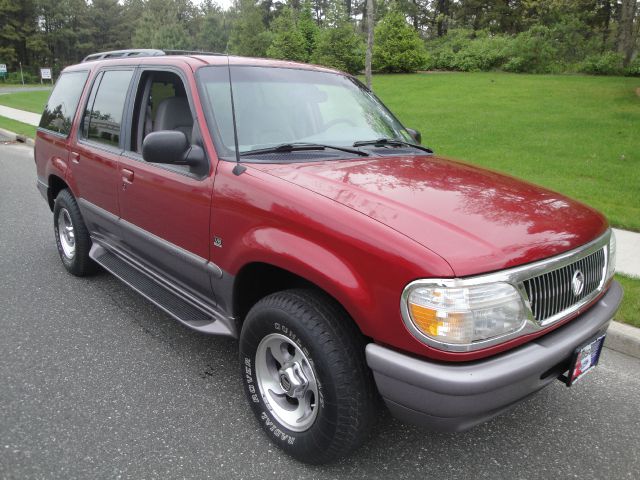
(94,156)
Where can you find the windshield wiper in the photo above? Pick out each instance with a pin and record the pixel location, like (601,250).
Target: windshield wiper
(301,146)
(392,142)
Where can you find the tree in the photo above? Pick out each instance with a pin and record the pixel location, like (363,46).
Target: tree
(308,29)
(369,55)
(288,43)
(627,33)
(108,25)
(338,45)
(249,35)
(213,29)
(398,47)
(163,25)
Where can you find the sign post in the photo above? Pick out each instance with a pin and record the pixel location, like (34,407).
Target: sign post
(45,74)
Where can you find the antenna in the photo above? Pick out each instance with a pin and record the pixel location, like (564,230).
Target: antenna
(238,169)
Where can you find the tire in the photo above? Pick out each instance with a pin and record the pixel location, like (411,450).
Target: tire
(336,411)
(71,234)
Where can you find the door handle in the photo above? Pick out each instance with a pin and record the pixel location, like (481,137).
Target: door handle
(75,157)
(127,175)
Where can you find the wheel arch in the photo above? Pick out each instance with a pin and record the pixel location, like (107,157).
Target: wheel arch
(55,185)
(258,279)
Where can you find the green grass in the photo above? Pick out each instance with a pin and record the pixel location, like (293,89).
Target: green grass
(630,309)
(18,127)
(578,135)
(29,101)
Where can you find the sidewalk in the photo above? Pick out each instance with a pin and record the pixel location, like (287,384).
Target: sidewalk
(628,252)
(20,115)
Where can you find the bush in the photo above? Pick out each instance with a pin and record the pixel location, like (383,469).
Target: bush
(608,63)
(468,51)
(633,69)
(482,54)
(532,51)
(397,47)
(14,77)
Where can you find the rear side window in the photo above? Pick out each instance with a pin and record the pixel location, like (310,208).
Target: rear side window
(62,104)
(102,118)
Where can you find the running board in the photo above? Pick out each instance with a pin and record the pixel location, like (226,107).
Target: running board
(174,303)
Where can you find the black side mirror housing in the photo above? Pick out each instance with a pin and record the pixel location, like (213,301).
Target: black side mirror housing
(172,147)
(416,135)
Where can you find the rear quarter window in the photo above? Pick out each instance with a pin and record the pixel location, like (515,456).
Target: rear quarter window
(63,102)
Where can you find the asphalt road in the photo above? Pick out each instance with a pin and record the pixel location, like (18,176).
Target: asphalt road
(95,382)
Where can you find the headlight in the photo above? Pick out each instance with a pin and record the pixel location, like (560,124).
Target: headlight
(611,265)
(463,315)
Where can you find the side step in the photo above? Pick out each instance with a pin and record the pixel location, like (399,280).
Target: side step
(171,302)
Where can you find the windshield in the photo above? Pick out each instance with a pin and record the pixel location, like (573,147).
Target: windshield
(275,106)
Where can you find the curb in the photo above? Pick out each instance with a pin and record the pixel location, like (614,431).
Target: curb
(624,339)
(15,137)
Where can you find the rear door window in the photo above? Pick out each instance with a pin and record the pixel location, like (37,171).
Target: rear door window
(102,119)
(60,109)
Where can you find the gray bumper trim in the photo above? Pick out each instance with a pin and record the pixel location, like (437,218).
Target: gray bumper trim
(457,396)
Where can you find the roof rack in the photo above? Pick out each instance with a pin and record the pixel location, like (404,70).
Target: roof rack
(142,52)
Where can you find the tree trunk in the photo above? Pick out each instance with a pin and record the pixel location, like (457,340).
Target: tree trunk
(626,37)
(442,15)
(606,21)
(367,62)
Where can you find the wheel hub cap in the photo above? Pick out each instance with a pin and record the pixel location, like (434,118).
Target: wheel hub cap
(66,234)
(293,381)
(287,382)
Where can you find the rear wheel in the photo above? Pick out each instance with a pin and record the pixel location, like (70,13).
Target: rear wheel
(72,238)
(304,372)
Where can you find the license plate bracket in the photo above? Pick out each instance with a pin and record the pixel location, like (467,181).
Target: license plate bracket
(584,359)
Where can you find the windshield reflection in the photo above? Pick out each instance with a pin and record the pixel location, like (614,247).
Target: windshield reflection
(275,106)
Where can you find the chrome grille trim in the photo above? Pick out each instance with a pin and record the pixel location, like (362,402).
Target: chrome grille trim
(557,293)
(533,299)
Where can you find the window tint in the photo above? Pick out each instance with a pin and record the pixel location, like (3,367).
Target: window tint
(103,115)
(62,104)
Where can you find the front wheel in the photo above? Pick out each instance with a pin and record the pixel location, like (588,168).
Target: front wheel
(304,372)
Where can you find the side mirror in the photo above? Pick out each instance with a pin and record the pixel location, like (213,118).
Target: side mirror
(173,147)
(416,135)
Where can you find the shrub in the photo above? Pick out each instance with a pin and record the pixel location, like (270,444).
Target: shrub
(532,51)
(397,47)
(608,63)
(633,69)
(14,77)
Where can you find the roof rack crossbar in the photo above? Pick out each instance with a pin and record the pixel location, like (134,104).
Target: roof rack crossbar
(143,52)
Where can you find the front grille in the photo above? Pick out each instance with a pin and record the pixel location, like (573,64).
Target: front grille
(552,293)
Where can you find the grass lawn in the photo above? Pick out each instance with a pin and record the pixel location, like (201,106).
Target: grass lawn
(18,127)
(630,310)
(29,101)
(578,135)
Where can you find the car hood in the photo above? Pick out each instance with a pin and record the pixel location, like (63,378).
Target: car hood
(476,219)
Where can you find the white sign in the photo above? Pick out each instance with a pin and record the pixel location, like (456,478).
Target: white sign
(45,73)
(3,68)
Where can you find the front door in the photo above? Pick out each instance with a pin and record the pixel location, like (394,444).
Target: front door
(164,209)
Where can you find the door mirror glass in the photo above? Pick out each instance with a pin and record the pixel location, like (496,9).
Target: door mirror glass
(416,135)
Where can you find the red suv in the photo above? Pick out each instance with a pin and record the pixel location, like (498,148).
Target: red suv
(284,205)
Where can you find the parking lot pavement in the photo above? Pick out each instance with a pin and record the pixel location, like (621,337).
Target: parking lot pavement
(95,382)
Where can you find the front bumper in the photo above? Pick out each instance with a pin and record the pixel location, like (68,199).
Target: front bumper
(456,397)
